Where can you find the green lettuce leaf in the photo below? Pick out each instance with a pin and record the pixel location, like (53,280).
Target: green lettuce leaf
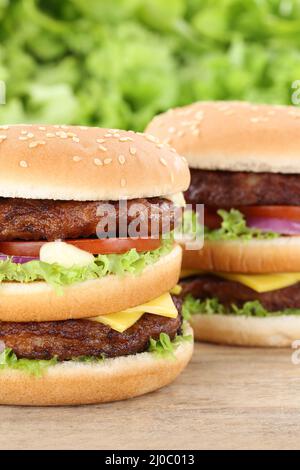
(234,227)
(57,276)
(165,347)
(35,367)
(212,306)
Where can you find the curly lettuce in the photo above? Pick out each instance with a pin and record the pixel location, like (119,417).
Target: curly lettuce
(58,276)
(234,227)
(213,306)
(35,367)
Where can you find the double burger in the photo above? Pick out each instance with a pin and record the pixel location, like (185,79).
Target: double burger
(86,313)
(243,288)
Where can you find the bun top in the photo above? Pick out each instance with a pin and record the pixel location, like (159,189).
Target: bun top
(82,163)
(233,136)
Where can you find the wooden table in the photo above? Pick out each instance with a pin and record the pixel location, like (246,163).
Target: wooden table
(227,398)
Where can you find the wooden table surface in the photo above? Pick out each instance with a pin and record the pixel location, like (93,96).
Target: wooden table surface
(228,398)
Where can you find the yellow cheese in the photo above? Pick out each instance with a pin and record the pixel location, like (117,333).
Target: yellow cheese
(190,272)
(258,282)
(263,282)
(121,321)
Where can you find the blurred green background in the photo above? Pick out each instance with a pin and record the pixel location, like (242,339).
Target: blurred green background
(117,63)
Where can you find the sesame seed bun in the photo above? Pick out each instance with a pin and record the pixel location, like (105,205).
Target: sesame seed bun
(37,301)
(237,330)
(233,136)
(278,255)
(75,383)
(81,163)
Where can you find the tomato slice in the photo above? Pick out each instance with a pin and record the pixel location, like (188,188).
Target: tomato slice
(211,219)
(276,212)
(94,246)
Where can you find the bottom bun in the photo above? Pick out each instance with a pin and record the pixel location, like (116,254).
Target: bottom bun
(76,383)
(279,331)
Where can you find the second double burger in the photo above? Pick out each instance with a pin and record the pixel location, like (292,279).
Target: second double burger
(243,287)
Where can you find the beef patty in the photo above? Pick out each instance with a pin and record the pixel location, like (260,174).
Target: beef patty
(227,189)
(74,338)
(39,219)
(230,292)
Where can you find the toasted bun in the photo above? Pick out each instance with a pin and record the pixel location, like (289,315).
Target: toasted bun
(81,163)
(37,301)
(278,255)
(75,383)
(237,330)
(234,136)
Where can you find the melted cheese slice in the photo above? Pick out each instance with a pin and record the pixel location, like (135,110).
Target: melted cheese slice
(121,321)
(258,282)
(263,282)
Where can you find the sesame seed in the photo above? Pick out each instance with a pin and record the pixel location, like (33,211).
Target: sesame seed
(75,139)
(121,159)
(171,130)
(167,140)
(41,142)
(30,135)
(180,133)
(24,132)
(132,150)
(196,132)
(4,128)
(151,138)
(101,147)
(98,162)
(71,134)
(63,126)
(160,146)
(62,135)
(50,134)
(163,161)
(23,137)
(116,135)
(3,137)
(125,139)
(41,128)
(173,150)
(199,115)
(77,159)
(23,164)
(108,135)
(33,144)
(100,141)
(123,182)
(107,161)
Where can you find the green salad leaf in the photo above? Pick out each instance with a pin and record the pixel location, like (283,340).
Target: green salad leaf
(177,52)
(212,306)
(234,227)
(36,367)
(58,276)
(165,347)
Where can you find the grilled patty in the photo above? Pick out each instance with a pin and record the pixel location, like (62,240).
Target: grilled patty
(230,292)
(74,338)
(39,219)
(226,189)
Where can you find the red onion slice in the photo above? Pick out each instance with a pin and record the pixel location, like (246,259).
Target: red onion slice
(17,259)
(282,226)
